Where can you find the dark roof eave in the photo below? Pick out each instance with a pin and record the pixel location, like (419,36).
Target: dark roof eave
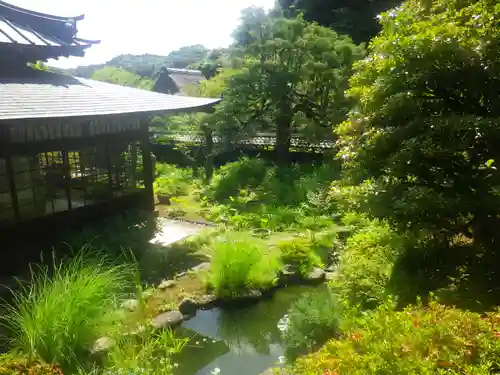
(38,14)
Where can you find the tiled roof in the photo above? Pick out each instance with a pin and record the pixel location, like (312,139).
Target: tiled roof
(185,77)
(37,35)
(50,95)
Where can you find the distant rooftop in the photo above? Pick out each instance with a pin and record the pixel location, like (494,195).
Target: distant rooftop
(41,94)
(28,36)
(177,81)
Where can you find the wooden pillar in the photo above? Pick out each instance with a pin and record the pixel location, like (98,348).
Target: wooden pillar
(9,169)
(67,177)
(147,164)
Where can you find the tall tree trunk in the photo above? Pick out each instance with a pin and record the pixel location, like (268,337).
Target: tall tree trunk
(283,134)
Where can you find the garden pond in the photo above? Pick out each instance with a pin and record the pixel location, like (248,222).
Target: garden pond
(244,340)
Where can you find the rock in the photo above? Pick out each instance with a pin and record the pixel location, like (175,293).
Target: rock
(102,345)
(331,268)
(130,304)
(317,275)
(249,296)
(205,266)
(165,284)
(329,276)
(206,301)
(167,320)
(188,306)
(288,276)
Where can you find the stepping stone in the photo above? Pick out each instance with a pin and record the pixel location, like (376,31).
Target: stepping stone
(102,345)
(205,266)
(130,305)
(167,320)
(206,301)
(165,284)
(317,275)
(329,276)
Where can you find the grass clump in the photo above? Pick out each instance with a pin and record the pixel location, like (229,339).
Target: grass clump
(312,320)
(299,255)
(434,339)
(240,263)
(59,314)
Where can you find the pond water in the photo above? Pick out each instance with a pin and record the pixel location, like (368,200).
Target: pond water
(237,341)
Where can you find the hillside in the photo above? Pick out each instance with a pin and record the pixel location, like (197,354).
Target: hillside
(148,65)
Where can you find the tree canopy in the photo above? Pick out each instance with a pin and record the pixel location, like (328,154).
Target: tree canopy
(293,78)
(356,18)
(426,126)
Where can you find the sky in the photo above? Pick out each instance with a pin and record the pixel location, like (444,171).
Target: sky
(145,26)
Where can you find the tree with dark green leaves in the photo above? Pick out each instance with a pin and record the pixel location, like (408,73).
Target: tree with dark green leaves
(356,18)
(293,80)
(426,128)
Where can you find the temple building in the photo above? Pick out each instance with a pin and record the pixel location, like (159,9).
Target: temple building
(70,148)
(178,81)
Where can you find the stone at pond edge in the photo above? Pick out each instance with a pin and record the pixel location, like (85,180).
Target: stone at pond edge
(288,276)
(165,284)
(102,345)
(317,275)
(251,295)
(206,301)
(205,266)
(187,306)
(167,320)
(130,305)
(329,276)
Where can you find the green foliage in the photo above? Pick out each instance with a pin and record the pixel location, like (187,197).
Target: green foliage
(240,263)
(293,78)
(231,178)
(417,340)
(121,77)
(366,264)
(57,316)
(171,180)
(14,365)
(300,255)
(312,320)
(426,124)
(356,19)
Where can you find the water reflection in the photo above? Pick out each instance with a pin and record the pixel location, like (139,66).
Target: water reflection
(243,341)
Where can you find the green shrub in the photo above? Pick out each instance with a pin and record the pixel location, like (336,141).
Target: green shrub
(172,180)
(231,178)
(312,320)
(240,263)
(417,340)
(59,314)
(366,264)
(298,253)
